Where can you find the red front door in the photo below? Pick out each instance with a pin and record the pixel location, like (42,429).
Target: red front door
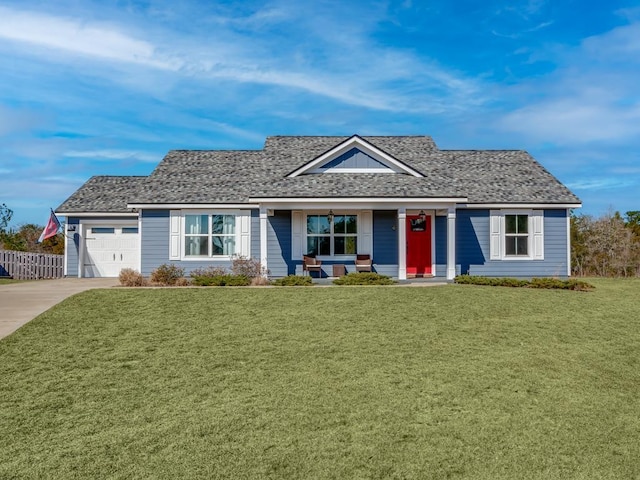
(418,246)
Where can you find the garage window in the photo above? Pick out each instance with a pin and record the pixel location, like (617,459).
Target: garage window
(103,230)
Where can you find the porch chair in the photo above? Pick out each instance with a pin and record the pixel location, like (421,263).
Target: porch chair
(311,264)
(363,263)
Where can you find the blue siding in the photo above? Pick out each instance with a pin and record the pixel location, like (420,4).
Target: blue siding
(472,244)
(440,231)
(472,239)
(255,234)
(279,244)
(155,243)
(385,242)
(354,158)
(73,248)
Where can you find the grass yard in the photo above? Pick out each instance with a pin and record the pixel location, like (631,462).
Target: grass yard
(354,382)
(6,281)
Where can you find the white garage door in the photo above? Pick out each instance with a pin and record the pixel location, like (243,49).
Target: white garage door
(110,248)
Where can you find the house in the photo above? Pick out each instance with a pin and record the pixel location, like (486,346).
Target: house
(416,209)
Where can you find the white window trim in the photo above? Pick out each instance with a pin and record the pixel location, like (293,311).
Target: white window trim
(535,235)
(299,233)
(332,235)
(242,233)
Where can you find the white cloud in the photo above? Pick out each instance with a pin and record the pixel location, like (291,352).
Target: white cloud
(74,36)
(601,183)
(591,96)
(106,154)
(579,119)
(399,82)
(12,120)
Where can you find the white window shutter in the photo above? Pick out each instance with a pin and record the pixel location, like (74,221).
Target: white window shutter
(538,234)
(244,230)
(175,221)
(297,236)
(365,232)
(495,230)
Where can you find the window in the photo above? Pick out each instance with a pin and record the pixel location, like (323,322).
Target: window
(129,229)
(103,230)
(345,235)
(339,237)
(516,235)
(209,235)
(318,235)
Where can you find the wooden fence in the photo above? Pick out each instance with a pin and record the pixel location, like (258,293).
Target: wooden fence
(30,266)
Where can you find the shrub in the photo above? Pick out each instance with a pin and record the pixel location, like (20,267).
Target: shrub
(554,283)
(579,285)
(260,281)
(221,280)
(182,282)
(293,281)
(131,278)
(248,267)
(237,281)
(166,274)
(210,271)
(364,278)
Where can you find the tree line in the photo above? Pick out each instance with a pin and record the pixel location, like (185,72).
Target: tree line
(25,237)
(606,246)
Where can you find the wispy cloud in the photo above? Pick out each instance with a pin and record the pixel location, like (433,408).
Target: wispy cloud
(398,79)
(601,183)
(591,97)
(113,155)
(72,35)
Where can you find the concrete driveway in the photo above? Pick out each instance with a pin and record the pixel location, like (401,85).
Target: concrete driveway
(22,302)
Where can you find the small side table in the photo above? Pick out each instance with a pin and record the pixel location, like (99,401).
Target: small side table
(339,270)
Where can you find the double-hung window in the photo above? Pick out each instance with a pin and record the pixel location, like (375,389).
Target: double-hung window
(517,234)
(209,235)
(213,234)
(329,238)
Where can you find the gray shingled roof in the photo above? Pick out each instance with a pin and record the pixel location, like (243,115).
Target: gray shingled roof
(217,176)
(104,194)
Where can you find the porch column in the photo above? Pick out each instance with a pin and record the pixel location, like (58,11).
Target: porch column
(451,243)
(402,244)
(263,237)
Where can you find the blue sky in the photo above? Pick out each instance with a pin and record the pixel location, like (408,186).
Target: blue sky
(108,87)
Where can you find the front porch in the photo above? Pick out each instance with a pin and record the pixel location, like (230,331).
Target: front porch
(415,241)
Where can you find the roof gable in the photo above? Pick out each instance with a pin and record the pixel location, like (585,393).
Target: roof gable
(355,155)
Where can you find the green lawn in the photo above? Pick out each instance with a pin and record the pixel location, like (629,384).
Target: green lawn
(6,281)
(353,382)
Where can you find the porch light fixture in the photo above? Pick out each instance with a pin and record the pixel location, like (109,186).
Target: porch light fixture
(422,215)
(330,216)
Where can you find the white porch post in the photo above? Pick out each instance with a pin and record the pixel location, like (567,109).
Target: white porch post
(402,244)
(263,237)
(451,243)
